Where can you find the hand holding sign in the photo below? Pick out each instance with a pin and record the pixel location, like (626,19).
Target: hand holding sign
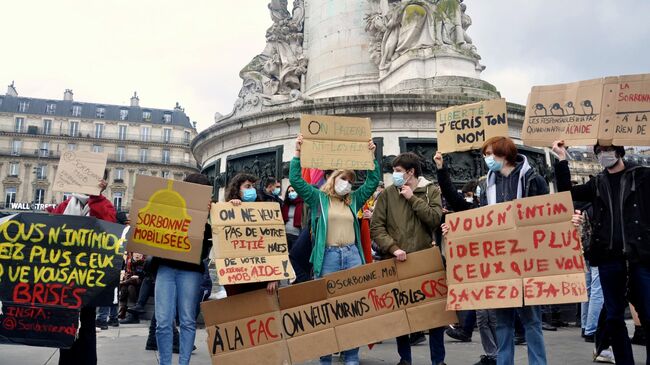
(559,149)
(438,160)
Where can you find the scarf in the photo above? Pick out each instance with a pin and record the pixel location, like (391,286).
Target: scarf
(78,205)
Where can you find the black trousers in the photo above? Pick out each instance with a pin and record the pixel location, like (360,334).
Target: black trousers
(84,349)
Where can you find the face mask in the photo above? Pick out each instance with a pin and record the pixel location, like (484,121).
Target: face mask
(469,199)
(492,164)
(607,159)
(276,191)
(342,187)
(398,179)
(249,195)
(293,195)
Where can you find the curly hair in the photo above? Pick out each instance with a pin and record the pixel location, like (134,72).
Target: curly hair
(329,186)
(232,191)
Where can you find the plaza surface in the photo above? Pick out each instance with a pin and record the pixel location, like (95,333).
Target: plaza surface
(125,345)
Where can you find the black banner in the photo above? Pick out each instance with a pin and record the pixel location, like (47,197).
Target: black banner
(38,326)
(53,265)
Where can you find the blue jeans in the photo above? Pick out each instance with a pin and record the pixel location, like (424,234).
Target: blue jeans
(104,314)
(176,290)
(531,318)
(595,304)
(337,259)
(436,346)
(613,276)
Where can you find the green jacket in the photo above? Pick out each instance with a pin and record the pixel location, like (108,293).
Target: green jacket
(403,224)
(320,202)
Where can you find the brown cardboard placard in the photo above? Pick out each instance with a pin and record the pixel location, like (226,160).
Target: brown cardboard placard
(372,330)
(544,209)
(423,289)
(244,333)
(419,263)
(486,295)
(270,353)
(486,219)
(611,110)
(555,289)
(360,278)
(466,127)
(169,218)
(80,172)
(238,306)
(430,315)
(313,345)
(303,293)
(333,142)
(249,243)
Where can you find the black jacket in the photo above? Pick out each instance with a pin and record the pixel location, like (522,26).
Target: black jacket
(634,218)
(263,196)
(455,200)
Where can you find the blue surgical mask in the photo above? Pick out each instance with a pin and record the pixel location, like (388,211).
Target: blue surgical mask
(249,195)
(492,164)
(293,195)
(398,179)
(276,191)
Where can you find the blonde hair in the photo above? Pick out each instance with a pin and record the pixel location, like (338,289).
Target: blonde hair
(329,186)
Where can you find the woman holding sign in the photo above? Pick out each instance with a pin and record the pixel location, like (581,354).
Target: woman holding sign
(337,241)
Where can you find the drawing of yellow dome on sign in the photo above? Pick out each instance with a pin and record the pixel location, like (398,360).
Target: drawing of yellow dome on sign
(164,222)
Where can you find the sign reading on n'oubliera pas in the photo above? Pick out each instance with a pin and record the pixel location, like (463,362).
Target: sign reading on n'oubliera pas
(524,252)
(169,217)
(332,142)
(249,243)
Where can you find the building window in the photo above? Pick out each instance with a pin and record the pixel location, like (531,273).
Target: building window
(72,146)
(121,153)
(16,147)
(19,125)
(100,112)
(23,106)
(145,134)
(117,200)
(41,172)
(121,132)
(10,196)
(186,157)
(99,130)
(167,135)
(39,196)
(165,156)
(98,148)
(47,126)
(143,155)
(146,116)
(186,137)
(44,151)
(124,113)
(76,110)
(119,174)
(167,118)
(50,109)
(14,169)
(74,129)
(165,174)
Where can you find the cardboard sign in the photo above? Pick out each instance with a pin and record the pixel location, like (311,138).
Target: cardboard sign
(50,267)
(466,127)
(497,255)
(80,172)
(332,142)
(170,218)
(250,243)
(343,310)
(612,110)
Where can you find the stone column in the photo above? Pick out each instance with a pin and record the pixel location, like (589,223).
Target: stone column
(26,184)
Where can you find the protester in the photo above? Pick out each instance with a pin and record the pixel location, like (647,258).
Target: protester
(130,283)
(84,349)
(620,242)
(485,318)
(178,286)
(292,215)
(242,189)
(270,190)
(405,216)
(337,241)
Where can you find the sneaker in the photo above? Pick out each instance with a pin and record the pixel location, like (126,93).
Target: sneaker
(102,325)
(590,338)
(548,327)
(605,356)
(136,310)
(130,319)
(639,336)
(486,360)
(114,322)
(417,338)
(458,334)
(520,340)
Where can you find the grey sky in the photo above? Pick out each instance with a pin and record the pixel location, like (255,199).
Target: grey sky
(192,51)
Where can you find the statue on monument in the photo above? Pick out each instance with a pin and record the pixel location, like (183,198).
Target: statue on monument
(275,74)
(440,25)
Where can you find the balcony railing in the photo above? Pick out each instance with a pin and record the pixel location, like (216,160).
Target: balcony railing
(128,137)
(23,152)
(136,158)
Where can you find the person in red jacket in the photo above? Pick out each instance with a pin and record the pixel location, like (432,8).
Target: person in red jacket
(84,349)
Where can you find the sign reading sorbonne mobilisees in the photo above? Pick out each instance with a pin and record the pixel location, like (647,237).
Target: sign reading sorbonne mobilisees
(50,267)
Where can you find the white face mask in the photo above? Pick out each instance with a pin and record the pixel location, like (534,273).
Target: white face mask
(607,159)
(342,187)
(469,199)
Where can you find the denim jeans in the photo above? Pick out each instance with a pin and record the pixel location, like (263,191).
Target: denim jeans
(584,306)
(595,301)
(487,327)
(104,314)
(531,318)
(337,259)
(436,346)
(613,276)
(176,290)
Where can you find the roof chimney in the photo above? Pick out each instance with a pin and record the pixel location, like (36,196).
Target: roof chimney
(135,100)
(67,95)
(178,107)
(11,90)
(194,124)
